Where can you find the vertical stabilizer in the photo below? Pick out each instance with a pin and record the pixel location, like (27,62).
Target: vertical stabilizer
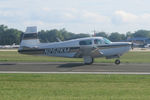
(30,38)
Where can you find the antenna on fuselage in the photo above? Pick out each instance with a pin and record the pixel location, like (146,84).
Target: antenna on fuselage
(94,33)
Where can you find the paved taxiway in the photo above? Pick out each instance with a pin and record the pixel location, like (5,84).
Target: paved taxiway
(68,67)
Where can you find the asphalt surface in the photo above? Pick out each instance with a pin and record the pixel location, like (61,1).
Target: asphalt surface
(69,67)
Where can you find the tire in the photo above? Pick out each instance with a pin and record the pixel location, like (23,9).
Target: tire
(89,62)
(117,62)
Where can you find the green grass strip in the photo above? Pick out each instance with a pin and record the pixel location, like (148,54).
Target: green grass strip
(74,87)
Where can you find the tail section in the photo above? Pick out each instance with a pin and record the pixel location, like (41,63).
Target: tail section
(29,39)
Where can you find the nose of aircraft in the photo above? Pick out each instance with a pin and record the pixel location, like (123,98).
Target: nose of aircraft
(129,45)
(133,45)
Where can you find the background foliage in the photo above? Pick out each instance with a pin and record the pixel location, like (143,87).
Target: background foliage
(9,36)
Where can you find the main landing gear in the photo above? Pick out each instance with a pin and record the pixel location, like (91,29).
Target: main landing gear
(117,61)
(88,60)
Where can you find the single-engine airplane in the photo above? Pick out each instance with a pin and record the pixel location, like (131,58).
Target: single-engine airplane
(86,48)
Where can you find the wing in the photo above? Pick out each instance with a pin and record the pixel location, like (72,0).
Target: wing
(88,51)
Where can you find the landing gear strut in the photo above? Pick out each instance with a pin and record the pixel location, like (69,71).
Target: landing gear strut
(117,61)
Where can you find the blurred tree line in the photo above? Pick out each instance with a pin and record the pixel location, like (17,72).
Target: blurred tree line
(9,36)
(52,35)
(115,36)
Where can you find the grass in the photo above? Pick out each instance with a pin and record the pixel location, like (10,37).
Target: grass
(74,87)
(14,56)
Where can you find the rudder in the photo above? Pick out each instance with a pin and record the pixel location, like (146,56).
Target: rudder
(29,39)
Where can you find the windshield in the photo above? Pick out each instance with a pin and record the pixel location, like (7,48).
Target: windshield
(106,41)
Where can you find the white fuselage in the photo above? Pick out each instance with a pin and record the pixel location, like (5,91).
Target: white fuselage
(77,48)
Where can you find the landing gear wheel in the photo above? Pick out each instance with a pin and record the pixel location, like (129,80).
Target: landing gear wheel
(88,60)
(117,62)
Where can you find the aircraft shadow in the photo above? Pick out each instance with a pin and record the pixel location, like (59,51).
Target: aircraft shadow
(70,65)
(103,64)
(7,64)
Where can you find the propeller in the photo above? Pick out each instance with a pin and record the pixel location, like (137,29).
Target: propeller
(133,45)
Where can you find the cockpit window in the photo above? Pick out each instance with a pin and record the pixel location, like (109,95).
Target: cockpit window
(106,41)
(85,42)
(97,41)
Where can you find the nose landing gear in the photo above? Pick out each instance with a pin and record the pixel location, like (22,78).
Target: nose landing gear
(117,61)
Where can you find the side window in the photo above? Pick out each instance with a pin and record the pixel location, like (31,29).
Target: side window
(97,41)
(86,42)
